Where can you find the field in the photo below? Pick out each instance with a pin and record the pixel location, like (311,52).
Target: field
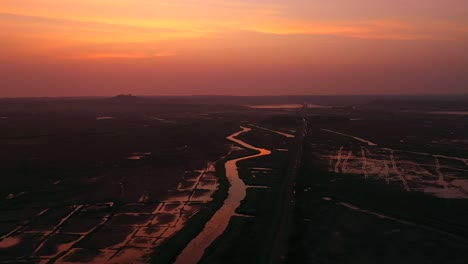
(139,179)
(386,187)
(89,180)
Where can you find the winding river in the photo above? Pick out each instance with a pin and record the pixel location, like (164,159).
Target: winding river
(220,220)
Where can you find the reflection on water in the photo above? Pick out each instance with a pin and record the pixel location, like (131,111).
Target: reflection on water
(370,143)
(274,131)
(140,227)
(9,242)
(136,157)
(139,155)
(285,106)
(11,195)
(438,175)
(157,118)
(104,118)
(450,113)
(220,220)
(162,120)
(437,112)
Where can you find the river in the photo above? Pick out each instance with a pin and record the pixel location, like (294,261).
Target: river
(194,251)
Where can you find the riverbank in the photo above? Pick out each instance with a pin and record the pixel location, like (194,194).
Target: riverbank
(237,193)
(250,185)
(249,235)
(172,248)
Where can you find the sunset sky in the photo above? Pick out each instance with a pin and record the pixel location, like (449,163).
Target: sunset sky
(244,47)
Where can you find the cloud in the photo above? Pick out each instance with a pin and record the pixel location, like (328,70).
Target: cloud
(122,55)
(65,38)
(57,23)
(144,28)
(372,30)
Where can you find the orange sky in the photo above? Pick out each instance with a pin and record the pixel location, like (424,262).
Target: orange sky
(251,47)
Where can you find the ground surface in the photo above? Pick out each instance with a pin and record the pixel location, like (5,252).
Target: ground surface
(135,179)
(386,187)
(99,180)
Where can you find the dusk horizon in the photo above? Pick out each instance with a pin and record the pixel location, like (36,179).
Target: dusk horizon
(247,47)
(409,95)
(234,131)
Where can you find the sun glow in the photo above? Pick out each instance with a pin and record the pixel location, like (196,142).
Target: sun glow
(234,34)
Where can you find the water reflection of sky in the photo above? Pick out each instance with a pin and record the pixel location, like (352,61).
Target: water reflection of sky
(450,113)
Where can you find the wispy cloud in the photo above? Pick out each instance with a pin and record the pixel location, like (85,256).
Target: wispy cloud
(375,29)
(122,55)
(65,38)
(144,28)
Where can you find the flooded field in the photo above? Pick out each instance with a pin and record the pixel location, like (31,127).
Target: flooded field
(113,192)
(372,187)
(439,175)
(106,231)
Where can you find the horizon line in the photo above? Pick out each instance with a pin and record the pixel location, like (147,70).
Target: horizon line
(215,95)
